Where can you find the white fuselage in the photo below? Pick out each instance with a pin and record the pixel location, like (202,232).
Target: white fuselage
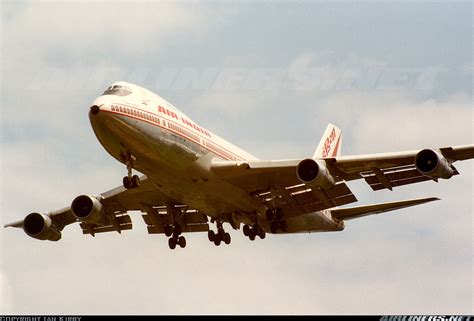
(168,147)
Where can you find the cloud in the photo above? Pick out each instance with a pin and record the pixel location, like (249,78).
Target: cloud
(88,45)
(104,28)
(399,120)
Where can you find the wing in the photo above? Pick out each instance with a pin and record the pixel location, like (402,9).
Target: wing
(277,181)
(114,205)
(389,170)
(361,211)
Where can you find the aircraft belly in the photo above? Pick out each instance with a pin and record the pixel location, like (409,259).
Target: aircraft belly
(211,196)
(309,223)
(202,196)
(166,158)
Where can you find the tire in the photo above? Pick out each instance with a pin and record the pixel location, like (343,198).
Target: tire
(262,234)
(221,233)
(217,241)
(135,181)
(172,243)
(226,238)
(211,235)
(127,183)
(168,230)
(182,242)
(246,230)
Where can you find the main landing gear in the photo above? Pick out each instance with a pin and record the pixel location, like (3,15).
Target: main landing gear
(220,236)
(275,217)
(130,181)
(176,238)
(253,231)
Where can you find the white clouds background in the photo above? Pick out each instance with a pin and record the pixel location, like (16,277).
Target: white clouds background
(56,57)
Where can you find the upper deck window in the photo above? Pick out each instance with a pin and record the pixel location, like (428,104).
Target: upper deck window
(118,90)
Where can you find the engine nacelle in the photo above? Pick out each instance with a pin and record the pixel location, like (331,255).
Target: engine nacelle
(432,164)
(87,209)
(314,173)
(40,226)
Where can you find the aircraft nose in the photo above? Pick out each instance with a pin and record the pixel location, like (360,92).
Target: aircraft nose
(95,110)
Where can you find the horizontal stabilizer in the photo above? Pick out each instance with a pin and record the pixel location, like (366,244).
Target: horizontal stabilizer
(361,211)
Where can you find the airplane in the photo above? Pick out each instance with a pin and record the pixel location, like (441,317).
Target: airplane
(192,178)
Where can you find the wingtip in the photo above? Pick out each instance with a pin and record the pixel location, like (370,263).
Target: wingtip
(18,224)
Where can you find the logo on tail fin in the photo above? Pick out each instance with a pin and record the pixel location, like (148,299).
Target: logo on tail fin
(330,144)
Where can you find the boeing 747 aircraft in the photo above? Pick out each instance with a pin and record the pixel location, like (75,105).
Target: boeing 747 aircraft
(193,178)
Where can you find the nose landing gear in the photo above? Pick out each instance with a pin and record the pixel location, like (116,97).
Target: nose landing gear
(130,181)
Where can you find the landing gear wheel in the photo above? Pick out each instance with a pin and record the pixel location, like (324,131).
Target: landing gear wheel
(135,181)
(221,233)
(182,242)
(211,236)
(246,230)
(226,238)
(172,243)
(252,236)
(127,183)
(261,234)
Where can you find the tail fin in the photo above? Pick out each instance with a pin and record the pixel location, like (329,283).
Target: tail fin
(330,144)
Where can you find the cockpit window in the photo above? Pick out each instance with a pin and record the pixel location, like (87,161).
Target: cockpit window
(118,90)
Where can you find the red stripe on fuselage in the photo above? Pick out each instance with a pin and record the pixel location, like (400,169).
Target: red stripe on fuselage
(175,132)
(159,116)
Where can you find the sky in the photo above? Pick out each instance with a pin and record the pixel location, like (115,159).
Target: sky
(267,76)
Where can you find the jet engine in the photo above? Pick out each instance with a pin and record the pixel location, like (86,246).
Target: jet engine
(87,209)
(314,173)
(40,226)
(432,164)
